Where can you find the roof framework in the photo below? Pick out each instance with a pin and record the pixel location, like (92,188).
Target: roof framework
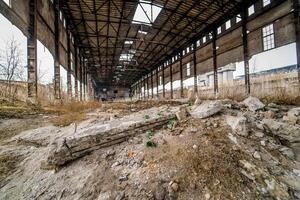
(101,28)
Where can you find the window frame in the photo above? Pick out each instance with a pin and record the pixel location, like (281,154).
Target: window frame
(268,35)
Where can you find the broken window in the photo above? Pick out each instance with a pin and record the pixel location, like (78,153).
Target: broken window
(251,10)
(228,24)
(7,2)
(204,39)
(146,13)
(188,69)
(266,2)
(268,37)
(219,31)
(238,18)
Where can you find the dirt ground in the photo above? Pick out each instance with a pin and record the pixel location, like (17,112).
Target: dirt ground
(192,159)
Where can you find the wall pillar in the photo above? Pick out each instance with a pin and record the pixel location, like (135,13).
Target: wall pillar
(296,4)
(69,71)
(157,83)
(32,52)
(214,43)
(245,50)
(181,76)
(57,91)
(171,81)
(152,95)
(76,73)
(195,69)
(148,95)
(80,76)
(144,82)
(163,80)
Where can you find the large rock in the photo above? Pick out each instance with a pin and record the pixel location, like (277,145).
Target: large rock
(253,104)
(238,124)
(206,109)
(293,116)
(283,130)
(182,114)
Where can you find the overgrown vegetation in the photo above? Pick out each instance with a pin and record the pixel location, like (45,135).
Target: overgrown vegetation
(72,112)
(171,123)
(146,117)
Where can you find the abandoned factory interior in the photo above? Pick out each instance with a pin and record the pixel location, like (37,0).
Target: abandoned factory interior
(150,99)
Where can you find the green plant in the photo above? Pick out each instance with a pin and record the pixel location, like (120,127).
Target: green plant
(146,117)
(150,143)
(160,113)
(171,123)
(190,103)
(150,134)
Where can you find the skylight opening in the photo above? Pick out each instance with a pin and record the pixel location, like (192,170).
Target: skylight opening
(142,32)
(126,57)
(128,42)
(146,13)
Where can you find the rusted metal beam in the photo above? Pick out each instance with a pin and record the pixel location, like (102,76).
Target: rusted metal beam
(32,51)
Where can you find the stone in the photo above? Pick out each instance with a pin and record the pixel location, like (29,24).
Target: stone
(198,101)
(104,196)
(238,125)
(253,104)
(175,187)
(182,114)
(263,143)
(207,196)
(159,193)
(283,130)
(287,152)
(232,138)
(195,146)
(256,155)
(207,109)
(269,114)
(296,150)
(259,134)
(120,196)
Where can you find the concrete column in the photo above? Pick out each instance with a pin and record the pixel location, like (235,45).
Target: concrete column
(80,76)
(69,71)
(152,95)
(57,91)
(171,81)
(76,73)
(296,4)
(144,81)
(163,80)
(157,83)
(214,43)
(148,95)
(181,76)
(32,52)
(245,49)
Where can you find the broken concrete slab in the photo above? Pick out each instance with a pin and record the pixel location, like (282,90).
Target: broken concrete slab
(207,109)
(253,104)
(182,114)
(238,124)
(72,148)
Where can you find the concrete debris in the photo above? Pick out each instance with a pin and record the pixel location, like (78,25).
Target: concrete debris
(258,146)
(238,125)
(182,114)
(267,184)
(253,104)
(207,109)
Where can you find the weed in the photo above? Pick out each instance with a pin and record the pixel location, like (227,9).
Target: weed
(146,117)
(150,143)
(171,123)
(150,134)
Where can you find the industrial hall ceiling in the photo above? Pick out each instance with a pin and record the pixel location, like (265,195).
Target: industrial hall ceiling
(124,40)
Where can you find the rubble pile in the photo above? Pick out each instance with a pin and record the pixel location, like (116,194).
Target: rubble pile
(219,149)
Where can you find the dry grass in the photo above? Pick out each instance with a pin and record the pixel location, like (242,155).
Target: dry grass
(72,112)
